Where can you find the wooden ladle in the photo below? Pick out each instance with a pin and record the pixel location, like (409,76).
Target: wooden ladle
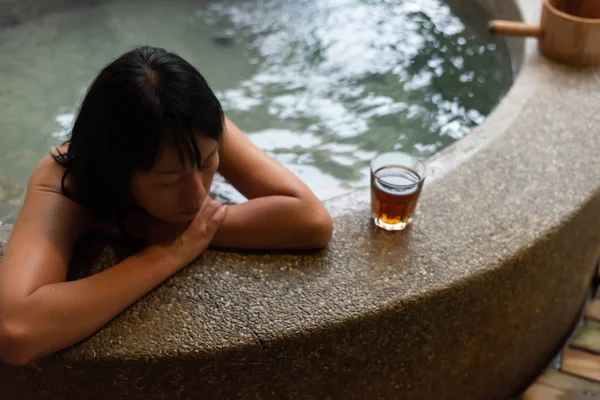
(569,31)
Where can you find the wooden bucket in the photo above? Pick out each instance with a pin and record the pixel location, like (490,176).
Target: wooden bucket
(569,31)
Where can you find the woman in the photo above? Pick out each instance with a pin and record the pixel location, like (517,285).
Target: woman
(149,137)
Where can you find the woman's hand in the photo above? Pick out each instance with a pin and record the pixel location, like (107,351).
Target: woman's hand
(199,233)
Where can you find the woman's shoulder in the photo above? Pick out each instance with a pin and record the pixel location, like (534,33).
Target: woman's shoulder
(47,214)
(48,181)
(48,175)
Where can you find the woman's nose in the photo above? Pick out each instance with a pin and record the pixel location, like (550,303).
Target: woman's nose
(195,190)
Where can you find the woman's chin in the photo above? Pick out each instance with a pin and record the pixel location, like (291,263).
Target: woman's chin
(174,219)
(181,219)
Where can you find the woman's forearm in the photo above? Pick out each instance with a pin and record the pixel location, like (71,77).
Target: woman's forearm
(58,315)
(274,222)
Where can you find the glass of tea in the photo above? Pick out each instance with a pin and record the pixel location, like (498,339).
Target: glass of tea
(396,182)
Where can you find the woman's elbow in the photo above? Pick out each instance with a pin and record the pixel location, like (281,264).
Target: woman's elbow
(13,345)
(321,230)
(16,359)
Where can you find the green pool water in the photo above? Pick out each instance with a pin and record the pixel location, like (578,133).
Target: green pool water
(322,85)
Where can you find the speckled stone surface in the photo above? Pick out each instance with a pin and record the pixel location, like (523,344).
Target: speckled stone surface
(466,304)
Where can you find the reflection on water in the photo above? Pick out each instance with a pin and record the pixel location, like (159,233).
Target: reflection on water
(322,85)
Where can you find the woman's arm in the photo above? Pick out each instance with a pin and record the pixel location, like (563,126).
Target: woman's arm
(60,314)
(40,313)
(282,212)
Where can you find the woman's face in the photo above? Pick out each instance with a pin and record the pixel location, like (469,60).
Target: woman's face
(174,192)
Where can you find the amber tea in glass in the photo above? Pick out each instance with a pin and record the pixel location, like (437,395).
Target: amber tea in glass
(396,183)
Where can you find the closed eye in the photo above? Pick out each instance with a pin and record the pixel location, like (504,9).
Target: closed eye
(171,183)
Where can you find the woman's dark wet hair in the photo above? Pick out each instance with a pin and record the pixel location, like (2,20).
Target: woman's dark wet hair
(144,100)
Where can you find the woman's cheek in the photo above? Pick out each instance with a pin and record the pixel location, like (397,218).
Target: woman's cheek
(170,198)
(161,201)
